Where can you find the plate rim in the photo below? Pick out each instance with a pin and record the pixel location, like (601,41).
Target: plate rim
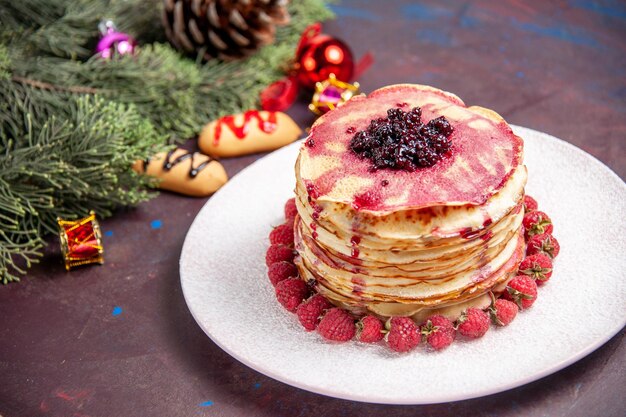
(404,401)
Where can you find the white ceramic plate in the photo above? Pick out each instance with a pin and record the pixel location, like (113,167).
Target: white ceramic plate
(223,274)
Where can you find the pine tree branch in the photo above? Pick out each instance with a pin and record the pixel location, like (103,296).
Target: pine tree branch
(47,86)
(72,124)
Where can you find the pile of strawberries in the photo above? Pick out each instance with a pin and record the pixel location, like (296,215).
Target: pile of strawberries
(402,334)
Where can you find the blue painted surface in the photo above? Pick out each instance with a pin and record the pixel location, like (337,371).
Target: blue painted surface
(108,233)
(468,22)
(560,32)
(156,224)
(424,12)
(117,310)
(353,12)
(434,36)
(611,8)
(206,404)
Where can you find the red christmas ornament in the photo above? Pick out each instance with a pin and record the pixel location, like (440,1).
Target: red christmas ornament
(319,55)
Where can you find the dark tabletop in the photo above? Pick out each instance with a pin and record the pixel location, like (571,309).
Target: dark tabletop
(118,339)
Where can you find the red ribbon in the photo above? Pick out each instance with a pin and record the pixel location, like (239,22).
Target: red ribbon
(280,95)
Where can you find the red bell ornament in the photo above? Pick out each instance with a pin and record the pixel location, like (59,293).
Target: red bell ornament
(320,55)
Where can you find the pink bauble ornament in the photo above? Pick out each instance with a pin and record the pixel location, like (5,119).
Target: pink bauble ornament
(113,42)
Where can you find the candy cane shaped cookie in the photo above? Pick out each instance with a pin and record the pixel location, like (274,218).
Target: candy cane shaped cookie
(246,133)
(184,172)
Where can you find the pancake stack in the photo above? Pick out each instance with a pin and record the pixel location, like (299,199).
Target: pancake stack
(388,242)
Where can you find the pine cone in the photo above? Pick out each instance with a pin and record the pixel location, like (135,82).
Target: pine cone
(225,29)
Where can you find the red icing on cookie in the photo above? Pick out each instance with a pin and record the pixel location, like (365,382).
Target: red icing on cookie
(267,126)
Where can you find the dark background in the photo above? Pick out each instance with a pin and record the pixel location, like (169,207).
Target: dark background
(118,339)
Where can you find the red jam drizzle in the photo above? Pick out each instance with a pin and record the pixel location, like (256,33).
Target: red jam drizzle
(468,233)
(359,285)
(355,243)
(313,227)
(312,191)
(267,126)
(366,200)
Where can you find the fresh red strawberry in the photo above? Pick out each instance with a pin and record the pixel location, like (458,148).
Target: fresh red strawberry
(402,335)
(337,325)
(280,271)
(278,253)
(522,290)
(538,267)
(473,323)
(535,223)
(439,331)
(310,311)
(291,292)
(369,329)
(544,243)
(502,311)
(530,204)
(290,210)
(282,235)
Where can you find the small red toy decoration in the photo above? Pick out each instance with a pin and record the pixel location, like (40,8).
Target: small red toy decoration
(81,241)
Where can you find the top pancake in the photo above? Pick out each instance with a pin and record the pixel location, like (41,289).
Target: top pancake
(485,153)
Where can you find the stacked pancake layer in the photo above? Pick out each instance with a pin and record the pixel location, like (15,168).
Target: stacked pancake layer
(410,243)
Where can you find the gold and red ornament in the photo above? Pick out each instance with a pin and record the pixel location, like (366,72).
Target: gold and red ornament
(317,56)
(113,42)
(81,241)
(332,93)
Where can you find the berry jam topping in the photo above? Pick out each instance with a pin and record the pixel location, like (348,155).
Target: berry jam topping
(402,141)
(310,142)
(350,130)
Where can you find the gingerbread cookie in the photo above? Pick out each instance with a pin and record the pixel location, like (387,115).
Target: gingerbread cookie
(184,172)
(246,133)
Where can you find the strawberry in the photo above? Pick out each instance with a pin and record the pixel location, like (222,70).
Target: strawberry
(290,211)
(439,331)
(402,334)
(279,271)
(538,267)
(291,292)
(278,253)
(473,323)
(535,223)
(530,204)
(544,243)
(369,329)
(337,325)
(522,290)
(282,235)
(502,311)
(309,312)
